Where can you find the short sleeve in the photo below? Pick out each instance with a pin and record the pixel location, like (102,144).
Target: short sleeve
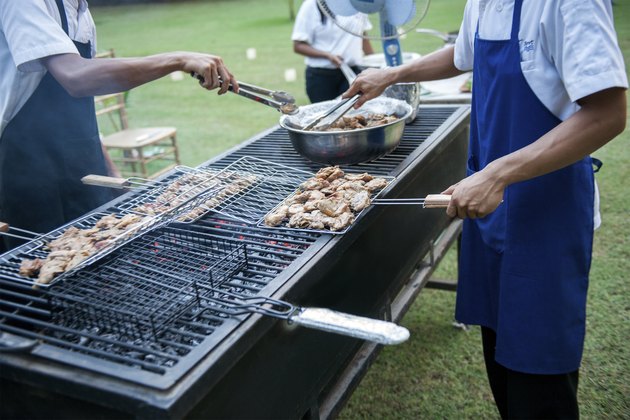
(464,45)
(32,33)
(585,49)
(305,22)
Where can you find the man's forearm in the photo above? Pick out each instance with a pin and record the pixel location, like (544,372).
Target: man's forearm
(434,66)
(601,118)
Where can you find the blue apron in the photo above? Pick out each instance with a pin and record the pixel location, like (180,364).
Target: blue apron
(45,150)
(523,269)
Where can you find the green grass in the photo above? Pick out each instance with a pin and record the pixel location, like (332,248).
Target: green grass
(439,372)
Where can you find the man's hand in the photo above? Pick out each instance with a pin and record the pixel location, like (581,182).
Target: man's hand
(211,68)
(370,83)
(475,196)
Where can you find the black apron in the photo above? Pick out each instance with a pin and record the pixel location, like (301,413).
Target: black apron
(45,150)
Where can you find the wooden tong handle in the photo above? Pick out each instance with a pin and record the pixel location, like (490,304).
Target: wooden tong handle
(433,201)
(105,181)
(4,227)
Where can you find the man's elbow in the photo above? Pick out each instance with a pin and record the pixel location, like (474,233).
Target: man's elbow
(67,71)
(620,117)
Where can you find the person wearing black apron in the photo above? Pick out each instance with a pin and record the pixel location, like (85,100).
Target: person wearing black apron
(528,229)
(45,150)
(50,142)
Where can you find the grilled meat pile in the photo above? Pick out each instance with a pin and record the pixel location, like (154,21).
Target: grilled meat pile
(356,122)
(190,186)
(328,201)
(76,245)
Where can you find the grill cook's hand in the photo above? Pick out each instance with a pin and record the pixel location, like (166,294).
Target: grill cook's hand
(370,83)
(475,196)
(214,73)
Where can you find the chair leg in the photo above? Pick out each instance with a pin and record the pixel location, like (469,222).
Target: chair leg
(143,164)
(175,149)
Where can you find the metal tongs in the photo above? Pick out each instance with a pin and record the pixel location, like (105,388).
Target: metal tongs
(278,99)
(337,111)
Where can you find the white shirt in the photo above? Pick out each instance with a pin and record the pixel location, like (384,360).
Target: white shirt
(568,49)
(330,37)
(29,31)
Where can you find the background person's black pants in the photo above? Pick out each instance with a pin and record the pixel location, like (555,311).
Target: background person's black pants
(529,396)
(325,84)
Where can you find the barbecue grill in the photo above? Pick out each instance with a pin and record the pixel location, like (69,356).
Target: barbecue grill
(69,353)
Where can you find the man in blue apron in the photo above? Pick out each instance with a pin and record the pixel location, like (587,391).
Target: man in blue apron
(543,100)
(49,137)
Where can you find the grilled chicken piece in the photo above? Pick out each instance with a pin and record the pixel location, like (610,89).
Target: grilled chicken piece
(300,198)
(327,171)
(332,208)
(314,184)
(365,177)
(360,201)
(294,209)
(300,220)
(30,268)
(342,221)
(104,223)
(336,173)
(352,185)
(277,217)
(376,184)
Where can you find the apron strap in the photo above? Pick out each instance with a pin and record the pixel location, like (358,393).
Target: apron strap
(516,19)
(64,18)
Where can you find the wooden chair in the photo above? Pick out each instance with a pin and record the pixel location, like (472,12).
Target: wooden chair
(142,152)
(105,54)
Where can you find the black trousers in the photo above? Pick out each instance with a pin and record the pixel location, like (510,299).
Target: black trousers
(325,84)
(521,395)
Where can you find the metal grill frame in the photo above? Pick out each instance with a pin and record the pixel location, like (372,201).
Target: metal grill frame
(215,363)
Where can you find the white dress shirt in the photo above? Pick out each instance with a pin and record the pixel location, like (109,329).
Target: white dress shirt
(29,31)
(569,48)
(330,37)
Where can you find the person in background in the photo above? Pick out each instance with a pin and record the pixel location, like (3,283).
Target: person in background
(549,90)
(325,46)
(49,137)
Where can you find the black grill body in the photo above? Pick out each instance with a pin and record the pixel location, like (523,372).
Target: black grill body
(252,366)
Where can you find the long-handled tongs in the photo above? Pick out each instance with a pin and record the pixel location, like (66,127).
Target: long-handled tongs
(278,99)
(431,201)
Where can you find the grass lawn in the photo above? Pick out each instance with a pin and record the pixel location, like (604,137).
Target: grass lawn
(439,372)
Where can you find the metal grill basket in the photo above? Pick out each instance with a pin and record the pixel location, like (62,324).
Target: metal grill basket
(147,284)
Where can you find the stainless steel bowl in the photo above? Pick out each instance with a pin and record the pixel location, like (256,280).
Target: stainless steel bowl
(351,146)
(408,92)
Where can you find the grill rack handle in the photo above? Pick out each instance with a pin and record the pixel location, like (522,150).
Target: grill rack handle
(431,201)
(376,330)
(107,181)
(10,343)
